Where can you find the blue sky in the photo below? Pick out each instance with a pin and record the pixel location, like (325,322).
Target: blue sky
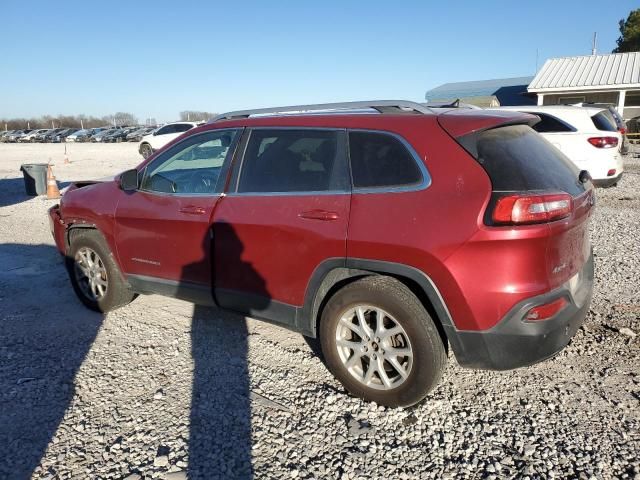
(155,59)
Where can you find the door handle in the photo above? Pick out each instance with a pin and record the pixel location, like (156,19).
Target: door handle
(319,214)
(192,210)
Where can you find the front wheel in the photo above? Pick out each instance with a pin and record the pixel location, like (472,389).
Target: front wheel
(380,342)
(146,150)
(94,274)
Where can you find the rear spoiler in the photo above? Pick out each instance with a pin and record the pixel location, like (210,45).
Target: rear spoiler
(465,125)
(458,123)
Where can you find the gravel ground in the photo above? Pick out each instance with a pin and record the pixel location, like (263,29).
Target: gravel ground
(163,389)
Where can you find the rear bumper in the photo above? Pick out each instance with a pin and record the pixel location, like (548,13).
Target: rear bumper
(607,182)
(515,343)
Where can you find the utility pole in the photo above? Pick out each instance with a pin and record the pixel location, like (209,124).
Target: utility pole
(595,40)
(81,124)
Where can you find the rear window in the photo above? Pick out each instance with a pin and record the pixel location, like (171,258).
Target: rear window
(604,121)
(519,159)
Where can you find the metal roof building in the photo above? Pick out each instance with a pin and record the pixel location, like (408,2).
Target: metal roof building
(484,93)
(612,78)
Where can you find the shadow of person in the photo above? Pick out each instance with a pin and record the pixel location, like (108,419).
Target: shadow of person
(220,416)
(45,335)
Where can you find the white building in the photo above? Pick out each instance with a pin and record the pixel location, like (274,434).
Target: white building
(612,78)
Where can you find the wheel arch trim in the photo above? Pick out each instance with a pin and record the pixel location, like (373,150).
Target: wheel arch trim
(334,271)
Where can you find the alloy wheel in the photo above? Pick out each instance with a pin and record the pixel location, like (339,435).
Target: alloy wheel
(91,274)
(374,347)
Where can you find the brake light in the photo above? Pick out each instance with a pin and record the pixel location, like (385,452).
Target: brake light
(603,142)
(546,311)
(622,130)
(527,208)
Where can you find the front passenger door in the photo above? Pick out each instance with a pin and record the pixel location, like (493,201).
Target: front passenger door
(163,228)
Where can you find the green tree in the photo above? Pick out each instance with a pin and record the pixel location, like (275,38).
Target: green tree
(629,40)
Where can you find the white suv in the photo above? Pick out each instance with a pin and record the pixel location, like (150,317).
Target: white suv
(587,135)
(158,139)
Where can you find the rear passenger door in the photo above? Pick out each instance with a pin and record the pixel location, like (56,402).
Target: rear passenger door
(286,211)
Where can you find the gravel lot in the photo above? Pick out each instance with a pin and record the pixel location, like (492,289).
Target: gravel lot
(163,389)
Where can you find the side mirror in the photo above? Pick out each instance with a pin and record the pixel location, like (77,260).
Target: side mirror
(129,180)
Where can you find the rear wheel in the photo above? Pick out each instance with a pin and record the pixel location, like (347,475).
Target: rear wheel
(380,342)
(146,150)
(94,274)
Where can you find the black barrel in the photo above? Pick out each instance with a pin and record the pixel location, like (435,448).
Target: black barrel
(35,178)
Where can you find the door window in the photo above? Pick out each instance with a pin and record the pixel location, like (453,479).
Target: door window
(290,160)
(183,127)
(193,166)
(166,129)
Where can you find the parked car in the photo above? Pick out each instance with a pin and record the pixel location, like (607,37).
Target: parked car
(61,136)
(99,135)
(617,118)
(162,136)
(48,136)
(387,235)
(83,135)
(587,135)
(51,136)
(4,136)
(119,135)
(137,135)
(15,135)
(29,137)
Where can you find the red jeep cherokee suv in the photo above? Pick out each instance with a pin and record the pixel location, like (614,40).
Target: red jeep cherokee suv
(389,230)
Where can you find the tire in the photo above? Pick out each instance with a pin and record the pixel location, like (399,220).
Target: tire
(389,299)
(110,290)
(145,150)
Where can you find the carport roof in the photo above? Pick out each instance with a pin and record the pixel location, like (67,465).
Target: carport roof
(509,91)
(589,72)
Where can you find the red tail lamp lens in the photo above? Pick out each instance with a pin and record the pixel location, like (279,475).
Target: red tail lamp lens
(527,209)
(546,311)
(603,142)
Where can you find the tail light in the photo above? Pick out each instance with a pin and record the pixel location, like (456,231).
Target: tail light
(546,311)
(522,209)
(603,142)
(611,172)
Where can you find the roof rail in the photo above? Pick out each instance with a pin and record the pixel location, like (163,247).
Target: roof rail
(382,106)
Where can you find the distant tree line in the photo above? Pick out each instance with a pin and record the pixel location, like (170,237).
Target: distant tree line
(629,40)
(60,121)
(196,116)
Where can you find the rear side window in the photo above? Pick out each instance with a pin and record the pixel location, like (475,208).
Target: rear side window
(550,124)
(293,161)
(518,159)
(183,127)
(381,160)
(604,121)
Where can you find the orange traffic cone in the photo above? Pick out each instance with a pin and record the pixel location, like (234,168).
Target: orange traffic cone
(53,191)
